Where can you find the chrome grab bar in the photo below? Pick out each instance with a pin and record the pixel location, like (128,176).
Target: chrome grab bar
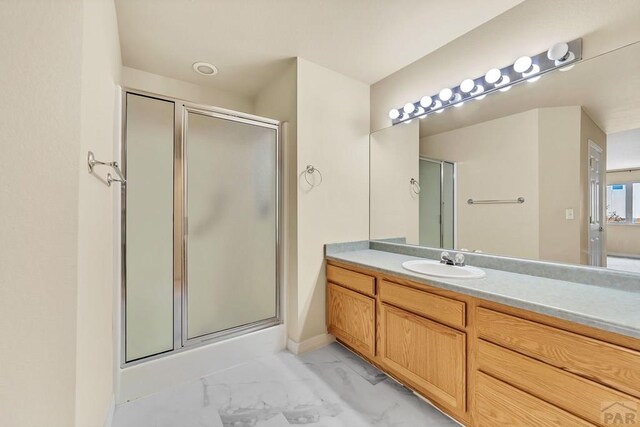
(519,200)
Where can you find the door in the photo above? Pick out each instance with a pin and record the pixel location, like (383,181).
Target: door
(231,224)
(596,205)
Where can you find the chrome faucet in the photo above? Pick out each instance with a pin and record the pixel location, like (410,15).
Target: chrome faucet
(458,260)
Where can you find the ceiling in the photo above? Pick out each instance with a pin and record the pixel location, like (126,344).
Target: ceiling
(623,150)
(251,40)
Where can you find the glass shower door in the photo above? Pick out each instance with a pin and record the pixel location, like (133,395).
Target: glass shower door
(230,222)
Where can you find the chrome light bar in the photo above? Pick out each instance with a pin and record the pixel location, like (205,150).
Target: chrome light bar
(560,56)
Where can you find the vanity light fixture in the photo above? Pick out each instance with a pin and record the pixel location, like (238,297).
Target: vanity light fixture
(562,56)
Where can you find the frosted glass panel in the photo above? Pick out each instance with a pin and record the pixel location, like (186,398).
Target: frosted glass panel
(231,208)
(447,205)
(149,226)
(429,204)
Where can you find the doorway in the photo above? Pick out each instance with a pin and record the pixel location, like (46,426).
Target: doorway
(596,205)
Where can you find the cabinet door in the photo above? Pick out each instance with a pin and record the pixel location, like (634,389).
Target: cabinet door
(430,356)
(351,318)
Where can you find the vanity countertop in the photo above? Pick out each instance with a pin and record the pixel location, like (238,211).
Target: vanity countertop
(609,309)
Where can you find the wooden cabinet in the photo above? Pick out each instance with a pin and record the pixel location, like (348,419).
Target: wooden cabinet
(427,354)
(351,318)
(484,363)
(582,397)
(605,363)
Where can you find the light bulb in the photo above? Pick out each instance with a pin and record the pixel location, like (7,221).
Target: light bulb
(535,69)
(408,108)
(570,57)
(419,111)
(467,85)
(445,94)
(522,64)
(558,51)
(479,89)
(426,101)
(493,76)
(505,80)
(436,105)
(394,114)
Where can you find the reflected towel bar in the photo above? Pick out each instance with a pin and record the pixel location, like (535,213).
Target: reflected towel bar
(519,200)
(91,162)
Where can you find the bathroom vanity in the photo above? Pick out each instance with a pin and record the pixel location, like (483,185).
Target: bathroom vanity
(507,349)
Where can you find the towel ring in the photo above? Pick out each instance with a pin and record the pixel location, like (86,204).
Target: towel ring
(309,171)
(415,185)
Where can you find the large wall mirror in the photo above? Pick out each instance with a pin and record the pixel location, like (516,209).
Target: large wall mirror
(549,170)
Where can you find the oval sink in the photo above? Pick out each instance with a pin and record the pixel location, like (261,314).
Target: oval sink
(437,269)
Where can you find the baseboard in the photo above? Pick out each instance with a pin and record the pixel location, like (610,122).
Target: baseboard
(310,344)
(621,255)
(108,419)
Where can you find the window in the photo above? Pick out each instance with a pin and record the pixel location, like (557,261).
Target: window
(635,202)
(617,203)
(623,203)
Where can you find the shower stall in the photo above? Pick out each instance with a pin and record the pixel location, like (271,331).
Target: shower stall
(200,225)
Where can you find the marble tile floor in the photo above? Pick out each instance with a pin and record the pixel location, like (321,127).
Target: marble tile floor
(624,264)
(326,387)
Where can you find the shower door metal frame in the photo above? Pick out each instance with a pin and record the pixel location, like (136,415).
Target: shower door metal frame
(180,223)
(455,228)
(249,327)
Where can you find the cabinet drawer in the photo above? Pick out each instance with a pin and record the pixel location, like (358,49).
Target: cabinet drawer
(602,362)
(351,318)
(350,279)
(430,355)
(498,404)
(439,308)
(570,392)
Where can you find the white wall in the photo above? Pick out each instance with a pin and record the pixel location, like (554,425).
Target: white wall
(393,161)
(95,349)
(41,51)
(560,184)
(278,100)
(161,85)
(332,135)
(497,159)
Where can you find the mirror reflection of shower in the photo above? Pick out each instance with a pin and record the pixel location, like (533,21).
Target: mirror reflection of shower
(437,210)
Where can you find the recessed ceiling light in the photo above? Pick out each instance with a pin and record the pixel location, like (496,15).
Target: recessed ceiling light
(205,68)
